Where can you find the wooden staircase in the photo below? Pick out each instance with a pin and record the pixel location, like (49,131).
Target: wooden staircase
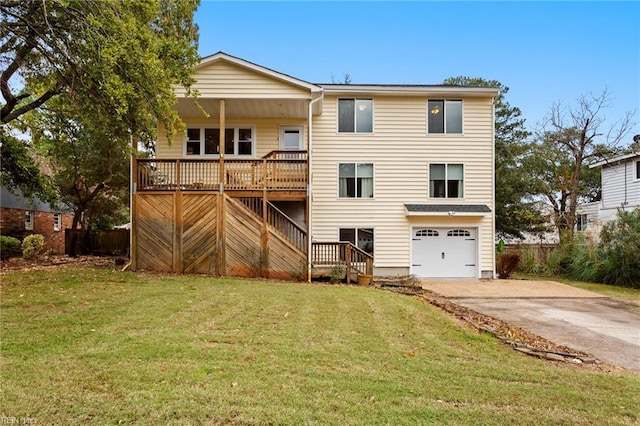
(278,221)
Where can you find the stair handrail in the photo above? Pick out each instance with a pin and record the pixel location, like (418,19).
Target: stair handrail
(289,154)
(294,233)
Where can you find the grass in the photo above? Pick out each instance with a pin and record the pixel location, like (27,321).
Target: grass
(624,294)
(97,346)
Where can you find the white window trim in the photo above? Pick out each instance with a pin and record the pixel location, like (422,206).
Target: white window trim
(235,128)
(29,220)
(57,222)
(637,170)
(356,177)
(444,133)
(446,175)
(355,124)
(298,127)
(585,223)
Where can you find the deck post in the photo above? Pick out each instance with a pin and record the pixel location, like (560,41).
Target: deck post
(264,250)
(222,208)
(133,241)
(347,256)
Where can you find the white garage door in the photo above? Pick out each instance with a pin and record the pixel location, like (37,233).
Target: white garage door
(444,252)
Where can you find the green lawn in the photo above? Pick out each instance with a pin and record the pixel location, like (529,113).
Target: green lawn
(625,294)
(97,346)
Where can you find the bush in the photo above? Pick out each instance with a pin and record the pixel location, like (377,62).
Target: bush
(32,246)
(619,250)
(507,263)
(9,247)
(585,261)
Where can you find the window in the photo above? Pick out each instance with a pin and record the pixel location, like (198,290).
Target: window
(57,221)
(637,169)
(355,115)
(446,180)
(581,222)
(355,180)
(206,141)
(458,233)
(359,237)
(29,219)
(291,138)
(427,233)
(444,116)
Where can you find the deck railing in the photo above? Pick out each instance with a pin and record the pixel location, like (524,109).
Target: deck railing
(280,221)
(342,253)
(279,170)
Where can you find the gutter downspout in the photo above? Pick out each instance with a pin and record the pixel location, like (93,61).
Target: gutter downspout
(310,184)
(493,178)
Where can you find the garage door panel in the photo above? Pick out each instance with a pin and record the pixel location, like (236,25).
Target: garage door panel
(444,252)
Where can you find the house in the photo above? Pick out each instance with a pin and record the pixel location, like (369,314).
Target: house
(21,216)
(620,179)
(379,179)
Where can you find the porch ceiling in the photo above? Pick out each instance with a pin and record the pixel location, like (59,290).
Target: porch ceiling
(244,108)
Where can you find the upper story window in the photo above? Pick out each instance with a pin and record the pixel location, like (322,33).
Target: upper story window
(638,169)
(29,219)
(444,116)
(57,221)
(355,115)
(446,180)
(206,141)
(355,180)
(581,222)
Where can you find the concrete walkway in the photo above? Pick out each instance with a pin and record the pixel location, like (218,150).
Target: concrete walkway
(580,319)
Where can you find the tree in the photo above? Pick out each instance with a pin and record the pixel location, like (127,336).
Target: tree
(570,139)
(19,170)
(515,213)
(112,59)
(89,161)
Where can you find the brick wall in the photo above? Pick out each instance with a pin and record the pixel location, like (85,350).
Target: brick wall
(12,224)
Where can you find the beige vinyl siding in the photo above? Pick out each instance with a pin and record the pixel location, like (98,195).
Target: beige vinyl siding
(225,80)
(266,137)
(401,151)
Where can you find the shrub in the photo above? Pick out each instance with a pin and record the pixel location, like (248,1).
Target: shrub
(507,264)
(9,247)
(619,250)
(585,261)
(32,246)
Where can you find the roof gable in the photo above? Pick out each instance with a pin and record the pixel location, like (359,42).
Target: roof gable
(226,67)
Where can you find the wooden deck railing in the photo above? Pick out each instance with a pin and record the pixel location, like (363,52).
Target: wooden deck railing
(279,170)
(342,253)
(280,221)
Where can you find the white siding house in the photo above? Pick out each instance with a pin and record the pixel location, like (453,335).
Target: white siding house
(403,172)
(620,190)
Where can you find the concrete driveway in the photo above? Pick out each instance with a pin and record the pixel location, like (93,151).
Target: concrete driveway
(585,321)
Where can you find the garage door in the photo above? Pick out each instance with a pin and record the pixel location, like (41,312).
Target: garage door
(444,252)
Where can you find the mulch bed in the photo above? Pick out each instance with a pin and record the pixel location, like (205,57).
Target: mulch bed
(44,262)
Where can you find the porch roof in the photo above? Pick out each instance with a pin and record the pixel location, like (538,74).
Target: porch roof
(447,209)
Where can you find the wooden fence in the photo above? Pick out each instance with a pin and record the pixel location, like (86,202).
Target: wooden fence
(114,242)
(538,252)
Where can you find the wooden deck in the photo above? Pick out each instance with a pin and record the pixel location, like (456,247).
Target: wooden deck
(284,174)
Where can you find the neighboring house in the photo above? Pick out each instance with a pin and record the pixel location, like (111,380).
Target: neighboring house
(20,216)
(385,179)
(620,190)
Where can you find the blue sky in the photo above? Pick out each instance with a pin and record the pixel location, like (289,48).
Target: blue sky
(545,52)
